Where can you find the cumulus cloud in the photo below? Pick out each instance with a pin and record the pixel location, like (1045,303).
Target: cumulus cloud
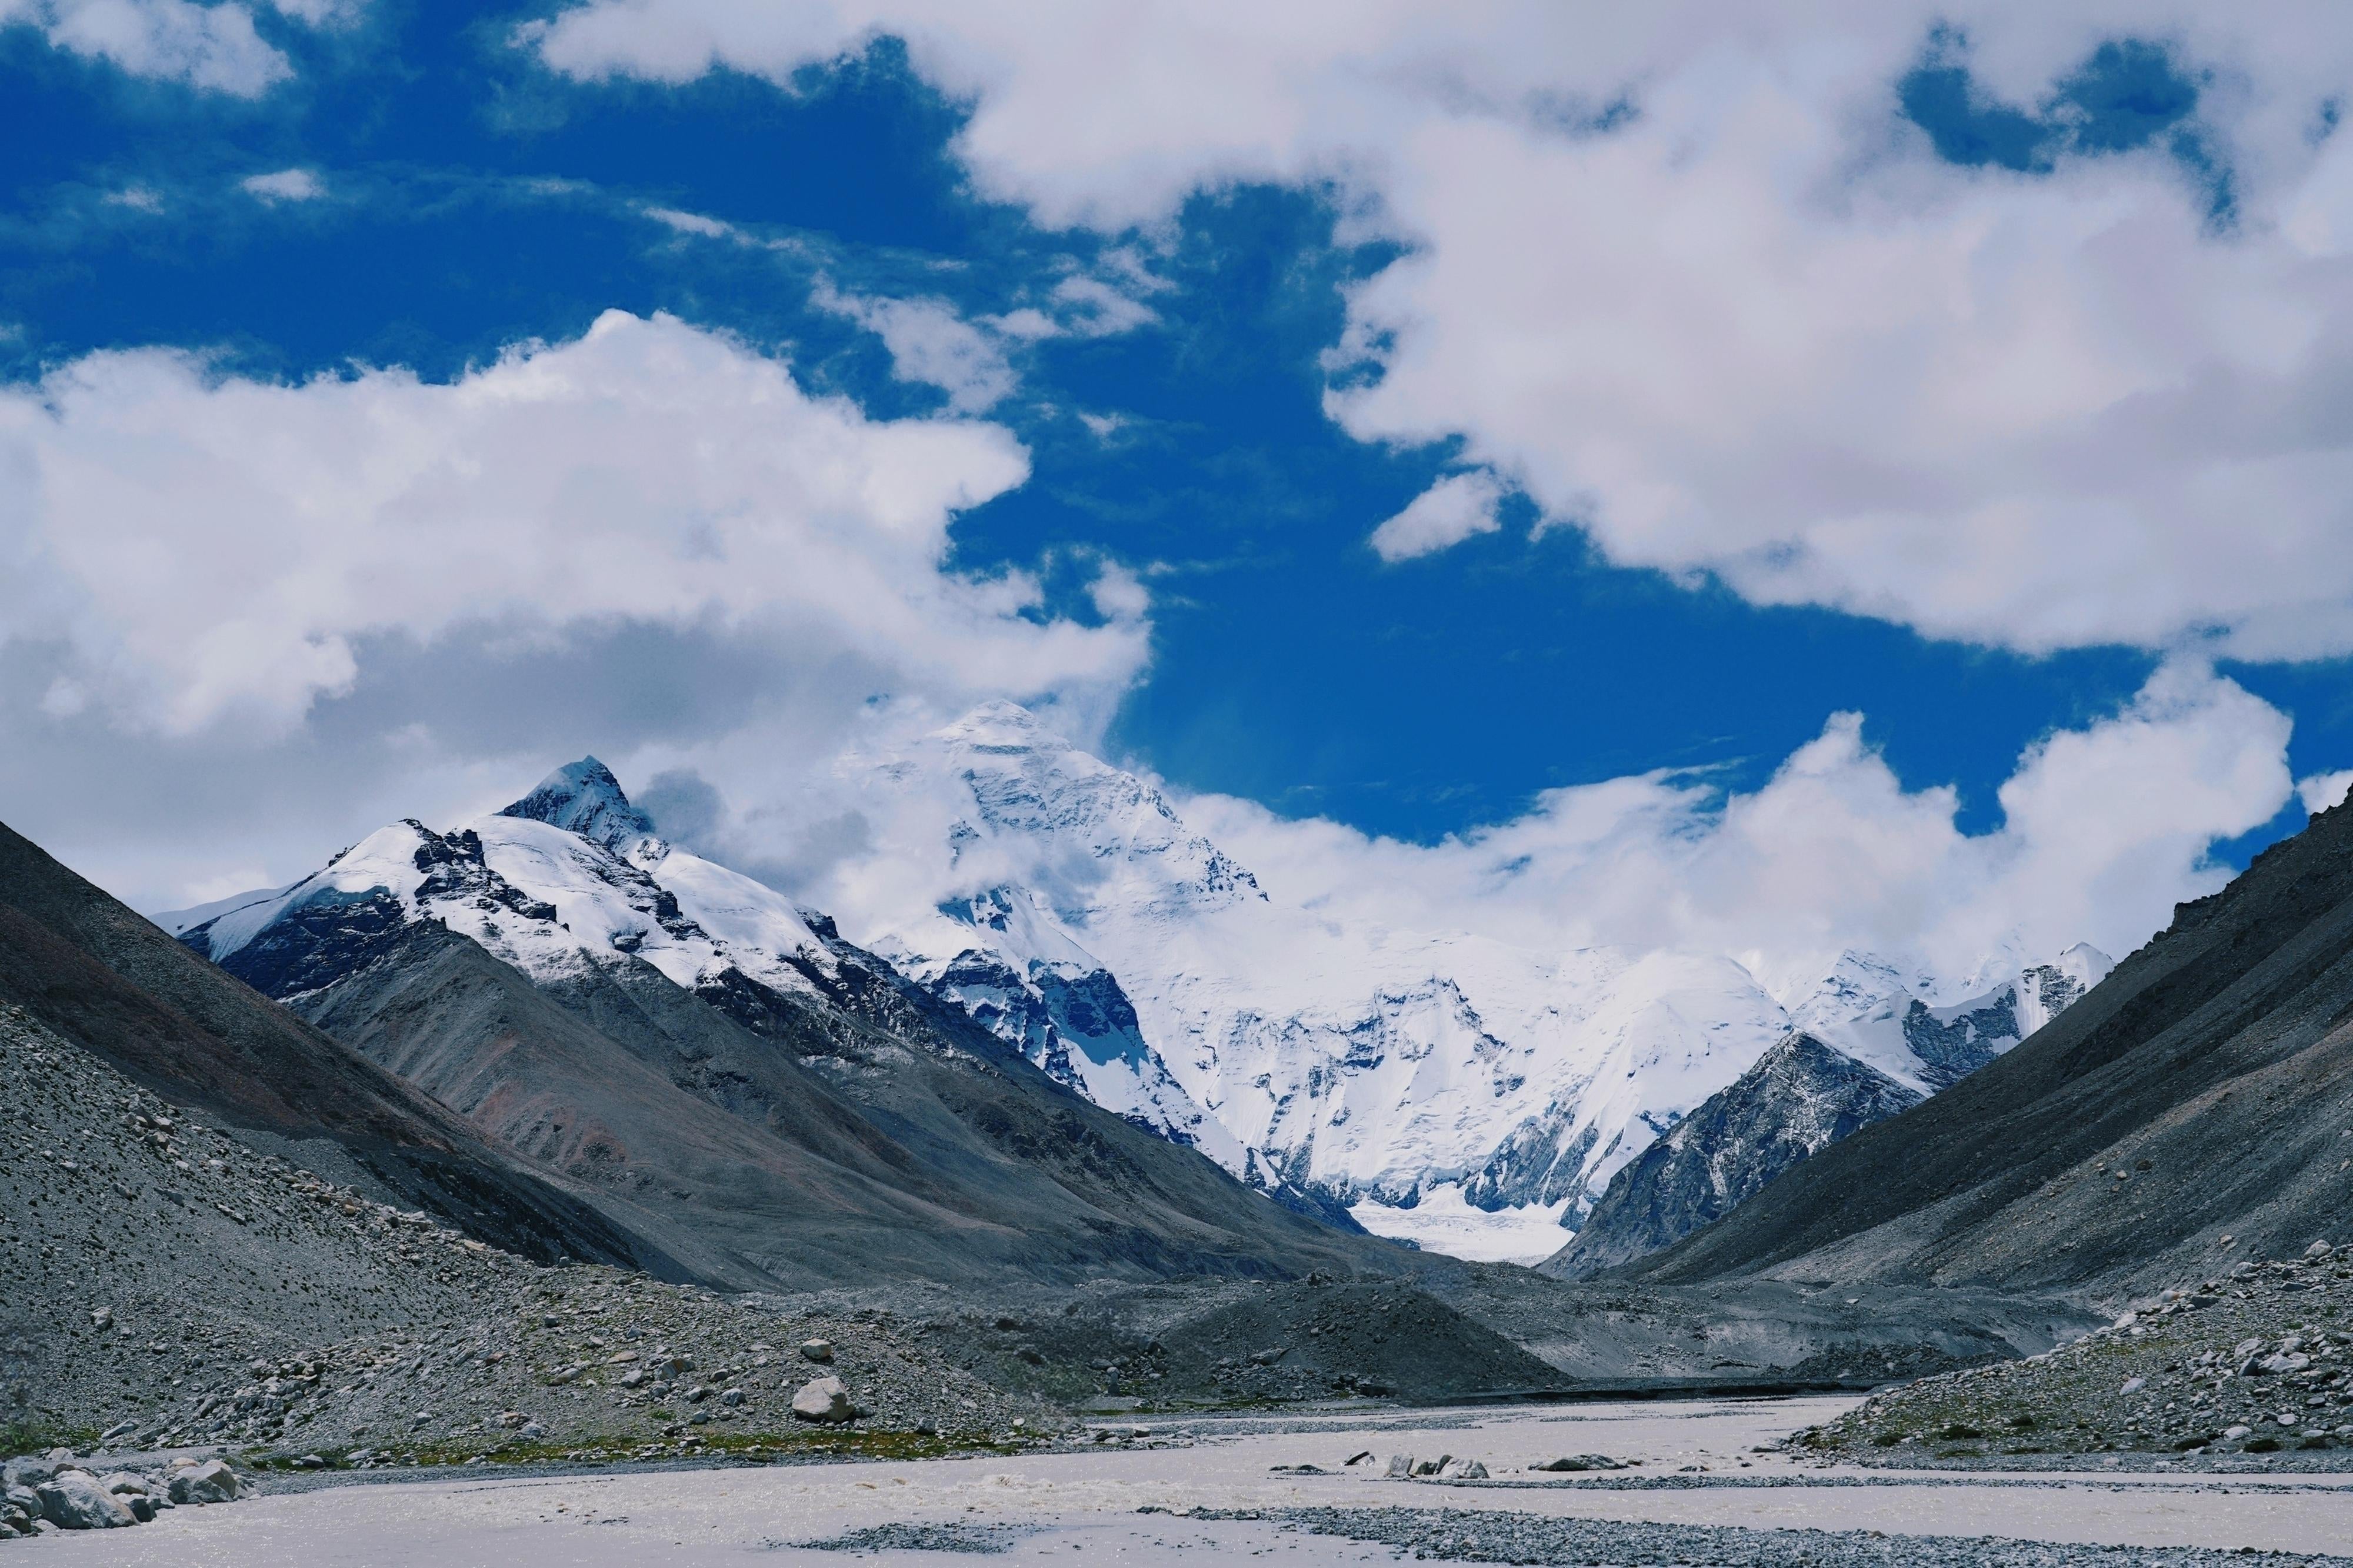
(284,185)
(1702,291)
(931,344)
(215,550)
(2105,828)
(1458,507)
(2322,791)
(210,46)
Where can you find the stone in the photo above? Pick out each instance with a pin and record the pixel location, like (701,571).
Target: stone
(732,1396)
(1580,1462)
(123,1483)
(23,1498)
(28,1471)
(74,1499)
(2134,1385)
(2318,1249)
(15,1521)
(2232,1434)
(1400,1466)
(209,1482)
(823,1400)
(818,1350)
(1433,1467)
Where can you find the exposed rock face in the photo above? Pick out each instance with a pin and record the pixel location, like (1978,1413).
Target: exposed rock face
(1800,1097)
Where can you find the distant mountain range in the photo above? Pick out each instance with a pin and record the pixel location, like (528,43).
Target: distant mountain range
(1353,1072)
(2194,1110)
(706,1062)
(1368,1069)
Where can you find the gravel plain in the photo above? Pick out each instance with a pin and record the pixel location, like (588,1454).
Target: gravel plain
(1217,1495)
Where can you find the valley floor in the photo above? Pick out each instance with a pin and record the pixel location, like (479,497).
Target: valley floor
(1703,1493)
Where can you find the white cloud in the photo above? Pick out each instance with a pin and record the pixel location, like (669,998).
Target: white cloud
(2321,792)
(284,185)
(2105,829)
(210,46)
(929,343)
(1753,327)
(195,551)
(689,223)
(1456,507)
(139,198)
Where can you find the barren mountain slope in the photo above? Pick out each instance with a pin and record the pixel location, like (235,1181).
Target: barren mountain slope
(2204,1088)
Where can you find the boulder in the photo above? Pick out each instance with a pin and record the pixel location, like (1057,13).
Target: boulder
(1400,1466)
(211,1481)
(28,1471)
(818,1350)
(74,1499)
(823,1400)
(23,1498)
(1580,1462)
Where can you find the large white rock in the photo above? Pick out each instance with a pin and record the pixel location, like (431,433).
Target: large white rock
(75,1500)
(824,1400)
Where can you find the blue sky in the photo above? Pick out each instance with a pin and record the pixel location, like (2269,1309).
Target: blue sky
(470,198)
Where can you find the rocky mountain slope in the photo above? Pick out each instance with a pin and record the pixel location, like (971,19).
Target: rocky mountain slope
(165,1283)
(2252,1363)
(709,1062)
(2202,1091)
(82,965)
(1085,922)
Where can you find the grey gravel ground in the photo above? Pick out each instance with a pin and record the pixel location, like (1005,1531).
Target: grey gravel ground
(1458,1535)
(980,1540)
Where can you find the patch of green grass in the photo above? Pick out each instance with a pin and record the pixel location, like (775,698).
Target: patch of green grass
(800,1442)
(39,1436)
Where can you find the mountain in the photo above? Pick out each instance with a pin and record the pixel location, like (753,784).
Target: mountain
(712,1063)
(1374,1069)
(1799,1097)
(2195,1107)
(86,968)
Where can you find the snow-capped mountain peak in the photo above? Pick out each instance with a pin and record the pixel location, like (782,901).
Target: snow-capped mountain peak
(1372,1068)
(571,875)
(584,797)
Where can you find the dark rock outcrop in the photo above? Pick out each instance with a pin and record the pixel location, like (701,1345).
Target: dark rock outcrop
(1800,1097)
